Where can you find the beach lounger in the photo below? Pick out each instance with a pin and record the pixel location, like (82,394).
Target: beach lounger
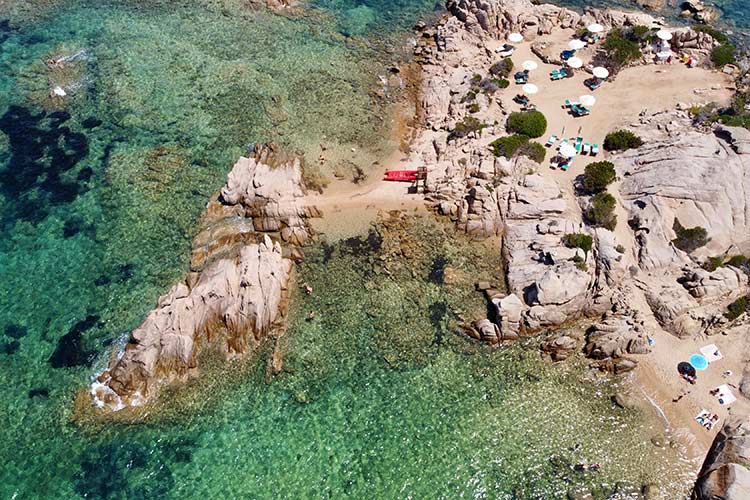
(579,144)
(567,54)
(566,166)
(563,143)
(551,141)
(586,148)
(594,149)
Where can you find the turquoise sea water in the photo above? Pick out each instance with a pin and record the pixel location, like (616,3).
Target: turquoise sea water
(99,194)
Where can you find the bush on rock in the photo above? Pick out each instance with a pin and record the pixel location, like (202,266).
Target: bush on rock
(598,175)
(532,124)
(622,140)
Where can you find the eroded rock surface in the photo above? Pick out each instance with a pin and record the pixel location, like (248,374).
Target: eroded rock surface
(726,471)
(236,294)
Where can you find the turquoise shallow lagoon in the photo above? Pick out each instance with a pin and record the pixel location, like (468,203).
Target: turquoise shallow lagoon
(99,194)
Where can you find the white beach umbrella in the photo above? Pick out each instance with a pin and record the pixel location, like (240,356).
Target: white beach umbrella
(664,54)
(515,37)
(575,62)
(601,72)
(568,150)
(530,89)
(595,28)
(587,100)
(664,35)
(529,65)
(576,44)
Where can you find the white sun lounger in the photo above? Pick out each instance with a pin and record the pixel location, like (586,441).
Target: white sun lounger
(711,353)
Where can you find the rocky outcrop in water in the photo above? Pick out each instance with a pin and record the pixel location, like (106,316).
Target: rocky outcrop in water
(725,473)
(236,294)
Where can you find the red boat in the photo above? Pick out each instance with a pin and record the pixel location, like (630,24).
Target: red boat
(401,175)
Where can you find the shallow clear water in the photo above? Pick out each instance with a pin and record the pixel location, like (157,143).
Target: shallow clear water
(99,194)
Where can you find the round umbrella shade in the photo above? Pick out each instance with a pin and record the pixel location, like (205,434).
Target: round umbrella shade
(575,62)
(685,368)
(664,54)
(515,37)
(601,72)
(568,150)
(529,65)
(530,88)
(699,362)
(664,35)
(576,44)
(587,100)
(596,28)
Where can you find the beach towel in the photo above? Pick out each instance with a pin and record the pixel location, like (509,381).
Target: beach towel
(711,353)
(725,395)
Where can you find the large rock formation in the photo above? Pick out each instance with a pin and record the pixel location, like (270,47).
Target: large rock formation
(236,294)
(697,179)
(725,473)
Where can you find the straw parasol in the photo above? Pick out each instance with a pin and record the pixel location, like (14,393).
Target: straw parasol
(595,28)
(664,35)
(575,62)
(530,89)
(576,44)
(568,150)
(515,37)
(587,100)
(529,65)
(600,72)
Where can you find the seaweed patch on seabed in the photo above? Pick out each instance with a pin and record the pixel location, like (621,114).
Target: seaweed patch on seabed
(43,168)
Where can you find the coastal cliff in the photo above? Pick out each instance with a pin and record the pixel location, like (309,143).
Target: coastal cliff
(237,291)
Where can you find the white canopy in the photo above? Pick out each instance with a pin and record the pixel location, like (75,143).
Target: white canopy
(587,100)
(601,72)
(664,35)
(568,150)
(530,88)
(595,28)
(575,62)
(576,44)
(529,65)
(515,37)
(664,54)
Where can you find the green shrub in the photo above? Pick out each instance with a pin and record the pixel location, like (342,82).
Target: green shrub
(470,96)
(534,151)
(518,145)
(580,263)
(738,308)
(713,263)
(639,33)
(474,107)
(622,140)
(468,126)
(529,123)
(716,34)
(598,175)
(738,261)
(723,55)
(579,240)
(502,68)
(620,249)
(602,211)
(475,79)
(620,49)
(689,239)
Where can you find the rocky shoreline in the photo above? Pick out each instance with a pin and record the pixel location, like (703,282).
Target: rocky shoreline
(633,281)
(237,292)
